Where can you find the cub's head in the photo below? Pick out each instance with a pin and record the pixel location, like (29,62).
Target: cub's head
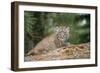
(62,32)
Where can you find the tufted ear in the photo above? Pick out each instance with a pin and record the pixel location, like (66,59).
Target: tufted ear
(56,29)
(68,29)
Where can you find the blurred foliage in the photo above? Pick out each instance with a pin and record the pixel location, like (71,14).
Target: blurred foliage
(37,25)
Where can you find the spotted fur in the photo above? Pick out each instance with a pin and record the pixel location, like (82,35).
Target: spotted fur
(51,42)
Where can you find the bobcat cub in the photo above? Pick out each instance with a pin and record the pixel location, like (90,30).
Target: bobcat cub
(51,42)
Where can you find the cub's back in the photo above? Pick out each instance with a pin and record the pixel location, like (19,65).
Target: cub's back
(44,45)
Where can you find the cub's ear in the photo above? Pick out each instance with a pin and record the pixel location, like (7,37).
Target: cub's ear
(56,29)
(68,28)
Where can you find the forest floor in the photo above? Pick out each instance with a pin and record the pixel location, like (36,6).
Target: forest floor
(78,51)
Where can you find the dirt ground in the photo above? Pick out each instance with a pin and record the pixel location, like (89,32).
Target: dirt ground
(78,51)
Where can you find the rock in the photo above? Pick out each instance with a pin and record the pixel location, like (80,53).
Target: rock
(78,51)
